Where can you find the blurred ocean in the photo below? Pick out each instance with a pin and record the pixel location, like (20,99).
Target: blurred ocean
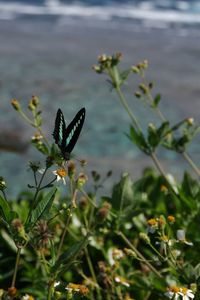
(47,48)
(164,12)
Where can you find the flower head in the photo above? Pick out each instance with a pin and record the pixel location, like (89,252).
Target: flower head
(186,294)
(173,292)
(60,173)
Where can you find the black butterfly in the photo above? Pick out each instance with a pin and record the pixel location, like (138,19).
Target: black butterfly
(66,138)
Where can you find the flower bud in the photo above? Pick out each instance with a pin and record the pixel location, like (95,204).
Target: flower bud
(71,169)
(130,253)
(144,88)
(144,237)
(15,104)
(190,121)
(82,178)
(34,166)
(103,212)
(138,94)
(171,219)
(135,69)
(83,203)
(35,100)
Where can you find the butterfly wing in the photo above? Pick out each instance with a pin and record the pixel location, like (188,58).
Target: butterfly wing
(59,133)
(73,130)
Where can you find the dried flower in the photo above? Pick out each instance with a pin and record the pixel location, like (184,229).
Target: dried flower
(77,288)
(12,291)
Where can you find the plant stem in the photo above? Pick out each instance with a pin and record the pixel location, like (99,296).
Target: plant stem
(158,165)
(139,254)
(73,195)
(63,235)
(16,267)
(126,107)
(50,288)
(192,164)
(92,272)
(36,194)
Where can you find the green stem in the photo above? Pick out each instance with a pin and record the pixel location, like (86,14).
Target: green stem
(192,164)
(158,165)
(139,254)
(35,197)
(44,262)
(64,234)
(92,272)
(50,290)
(72,206)
(88,198)
(24,116)
(16,267)
(126,107)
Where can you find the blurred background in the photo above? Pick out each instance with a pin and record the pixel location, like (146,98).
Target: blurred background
(47,48)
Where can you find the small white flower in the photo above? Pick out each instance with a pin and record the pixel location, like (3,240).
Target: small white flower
(60,175)
(186,294)
(180,234)
(173,293)
(56,283)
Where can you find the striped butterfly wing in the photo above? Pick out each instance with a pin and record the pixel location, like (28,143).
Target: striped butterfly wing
(73,130)
(66,138)
(59,130)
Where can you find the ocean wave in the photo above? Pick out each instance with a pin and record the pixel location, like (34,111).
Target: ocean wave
(144,10)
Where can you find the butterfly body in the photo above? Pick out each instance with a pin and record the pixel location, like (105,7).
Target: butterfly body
(66,137)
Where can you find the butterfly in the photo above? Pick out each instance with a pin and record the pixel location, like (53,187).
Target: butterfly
(66,137)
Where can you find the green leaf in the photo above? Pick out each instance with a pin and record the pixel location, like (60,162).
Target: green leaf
(5,209)
(69,256)
(156,101)
(124,75)
(43,207)
(163,129)
(139,139)
(122,194)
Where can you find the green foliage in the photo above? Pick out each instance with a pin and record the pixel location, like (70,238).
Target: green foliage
(140,243)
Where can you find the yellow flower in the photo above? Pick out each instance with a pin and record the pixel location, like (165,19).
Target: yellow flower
(171,219)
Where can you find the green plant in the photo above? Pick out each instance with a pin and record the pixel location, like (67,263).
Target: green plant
(140,243)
